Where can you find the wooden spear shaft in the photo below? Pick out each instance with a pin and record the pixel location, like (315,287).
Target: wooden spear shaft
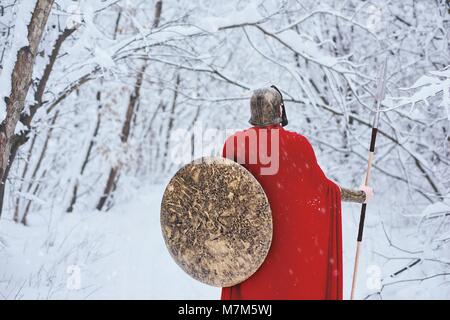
(362,216)
(378,98)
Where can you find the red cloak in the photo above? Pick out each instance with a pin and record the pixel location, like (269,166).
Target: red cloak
(305,257)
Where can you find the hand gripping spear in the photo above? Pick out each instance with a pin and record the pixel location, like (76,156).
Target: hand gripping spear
(381,85)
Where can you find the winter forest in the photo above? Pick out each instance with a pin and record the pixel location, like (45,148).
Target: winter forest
(102,101)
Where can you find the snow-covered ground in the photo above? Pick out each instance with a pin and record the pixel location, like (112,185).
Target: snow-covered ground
(121,254)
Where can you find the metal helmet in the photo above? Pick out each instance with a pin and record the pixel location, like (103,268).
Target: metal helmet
(265,107)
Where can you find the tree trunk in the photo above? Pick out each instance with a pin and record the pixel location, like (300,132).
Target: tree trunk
(170,123)
(26,119)
(12,155)
(109,186)
(88,154)
(24,219)
(24,174)
(126,128)
(20,83)
(38,164)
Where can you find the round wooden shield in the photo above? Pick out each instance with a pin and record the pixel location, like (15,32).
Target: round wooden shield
(216,221)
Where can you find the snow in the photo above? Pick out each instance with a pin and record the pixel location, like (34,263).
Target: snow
(31,197)
(428,86)
(247,15)
(121,255)
(103,59)
(19,128)
(437,207)
(20,40)
(116,255)
(307,48)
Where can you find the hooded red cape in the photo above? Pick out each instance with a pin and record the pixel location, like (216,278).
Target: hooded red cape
(305,257)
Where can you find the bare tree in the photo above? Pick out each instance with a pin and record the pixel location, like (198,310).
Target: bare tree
(111,182)
(20,83)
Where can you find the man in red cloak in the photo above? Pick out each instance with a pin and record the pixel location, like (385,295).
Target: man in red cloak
(305,257)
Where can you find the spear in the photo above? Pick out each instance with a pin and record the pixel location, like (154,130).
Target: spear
(379,96)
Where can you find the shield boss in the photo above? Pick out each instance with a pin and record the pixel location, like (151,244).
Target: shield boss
(216,221)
